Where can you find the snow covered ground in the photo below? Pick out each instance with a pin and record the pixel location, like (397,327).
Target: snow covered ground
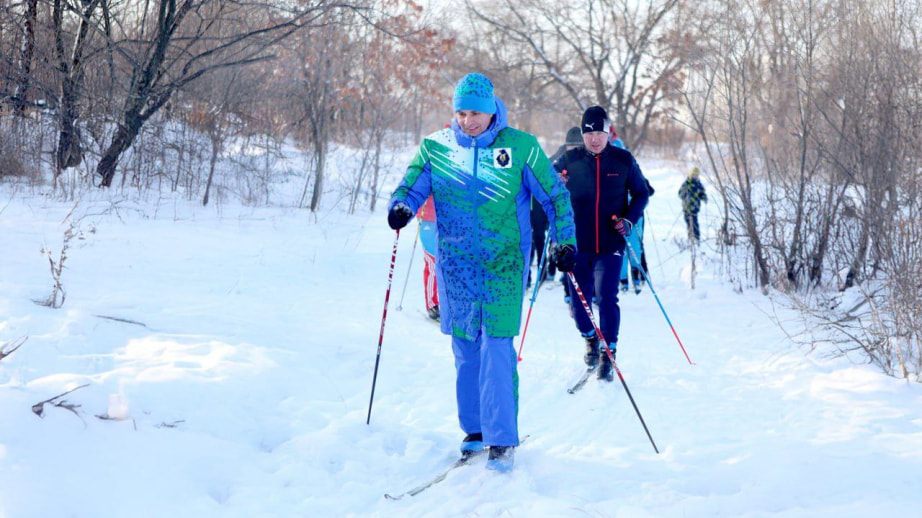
(228,354)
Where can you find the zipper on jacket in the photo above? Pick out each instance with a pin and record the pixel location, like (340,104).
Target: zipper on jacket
(473,197)
(598,185)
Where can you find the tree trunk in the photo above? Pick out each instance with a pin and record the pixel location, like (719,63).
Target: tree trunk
(752,232)
(69,152)
(376,174)
(121,141)
(830,209)
(694,265)
(860,257)
(320,150)
(215,149)
(20,96)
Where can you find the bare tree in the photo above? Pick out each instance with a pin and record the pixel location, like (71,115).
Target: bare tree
(720,104)
(27,51)
(388,71)
(218,109)
(530,94)
(619,54)
(321,73)
(178,42)
(809,119)
(71,70)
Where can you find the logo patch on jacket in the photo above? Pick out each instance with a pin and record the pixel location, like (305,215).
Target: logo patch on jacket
(502,157)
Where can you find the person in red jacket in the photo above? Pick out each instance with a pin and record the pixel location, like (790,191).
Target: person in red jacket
(427,227)
(608,193)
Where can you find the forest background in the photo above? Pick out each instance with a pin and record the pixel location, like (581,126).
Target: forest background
(806,118)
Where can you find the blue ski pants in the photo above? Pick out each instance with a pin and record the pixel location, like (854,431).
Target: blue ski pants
(487,388)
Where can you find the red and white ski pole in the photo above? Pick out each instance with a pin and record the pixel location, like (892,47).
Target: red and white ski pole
(610,355)
(534,293)
(387,297)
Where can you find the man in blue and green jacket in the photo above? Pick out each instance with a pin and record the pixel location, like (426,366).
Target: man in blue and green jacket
(482,175)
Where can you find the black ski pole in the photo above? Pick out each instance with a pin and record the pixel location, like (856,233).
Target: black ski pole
(610,356)
(387,297)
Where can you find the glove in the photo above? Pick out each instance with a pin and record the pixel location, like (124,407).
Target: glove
(622,226)
(399,215)
(565,257)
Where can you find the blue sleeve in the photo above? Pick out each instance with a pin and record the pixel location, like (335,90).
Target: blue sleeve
(416,185)
(555,199)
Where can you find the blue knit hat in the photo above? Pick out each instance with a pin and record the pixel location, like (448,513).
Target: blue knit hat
(474,92)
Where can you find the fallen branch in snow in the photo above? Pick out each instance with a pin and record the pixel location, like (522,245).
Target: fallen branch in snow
(4,352)
(39,408)
(107,417)
(174,424)
(123,320)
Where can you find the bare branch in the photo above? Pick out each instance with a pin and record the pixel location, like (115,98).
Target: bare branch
(123,320)
(11,347)
(39,408)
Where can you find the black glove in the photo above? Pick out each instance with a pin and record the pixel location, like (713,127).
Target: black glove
(565,257)
(622,226)
(399,215)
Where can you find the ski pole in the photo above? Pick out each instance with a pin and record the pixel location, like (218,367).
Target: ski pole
(534,293)
(650,284)
(387,296)
(659,256)
(410,267)
(611,357)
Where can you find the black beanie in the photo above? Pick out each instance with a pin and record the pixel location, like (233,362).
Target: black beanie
(595,119)
(574,137)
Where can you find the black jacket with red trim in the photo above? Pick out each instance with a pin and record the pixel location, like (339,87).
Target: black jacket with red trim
(599,186)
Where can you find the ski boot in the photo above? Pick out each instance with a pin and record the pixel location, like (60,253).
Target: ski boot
(471,444)
(501,458)
(591,358)
(606,369)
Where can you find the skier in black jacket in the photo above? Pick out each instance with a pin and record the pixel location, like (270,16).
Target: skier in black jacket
(608,193)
